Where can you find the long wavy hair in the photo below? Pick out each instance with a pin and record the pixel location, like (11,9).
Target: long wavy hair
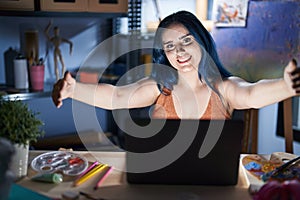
(210,66)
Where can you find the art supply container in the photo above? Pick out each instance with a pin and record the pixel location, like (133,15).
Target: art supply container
(21,73)
(37,77)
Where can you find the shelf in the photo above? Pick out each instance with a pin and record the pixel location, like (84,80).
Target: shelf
(27,94)
(60,14)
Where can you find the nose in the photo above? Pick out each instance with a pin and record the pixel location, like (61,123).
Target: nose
(179,49)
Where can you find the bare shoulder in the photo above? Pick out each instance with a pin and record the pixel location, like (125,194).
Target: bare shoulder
(142,93)
(234,85)
(234,81)
(147,85)
(147,82)
(236,92)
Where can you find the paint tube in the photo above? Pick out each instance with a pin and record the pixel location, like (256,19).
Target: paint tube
(50,178)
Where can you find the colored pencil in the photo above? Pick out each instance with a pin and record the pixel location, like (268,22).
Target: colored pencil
(103,176)
(88,169)
(89,174)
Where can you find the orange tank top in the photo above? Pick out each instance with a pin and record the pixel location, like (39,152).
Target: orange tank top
(164,108)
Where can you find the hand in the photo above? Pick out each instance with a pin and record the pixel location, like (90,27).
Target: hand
(62,89)
(292,77)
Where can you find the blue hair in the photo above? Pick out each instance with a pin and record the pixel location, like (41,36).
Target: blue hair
(163,72)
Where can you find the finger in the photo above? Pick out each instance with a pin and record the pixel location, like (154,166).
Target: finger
(296,79)
(66,73)
(57,101)
(55,98)
(59,104)
(56,95)
(296,72)
(68,77)
(296,86)
(294,61)
(57,87)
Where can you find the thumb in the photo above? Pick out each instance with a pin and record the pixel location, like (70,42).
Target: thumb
(68,77)
(291,66)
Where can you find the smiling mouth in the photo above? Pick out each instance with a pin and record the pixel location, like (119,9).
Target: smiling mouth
(181,61)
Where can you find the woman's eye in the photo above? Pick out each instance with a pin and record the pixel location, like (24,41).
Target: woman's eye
(169,47)
(187,41)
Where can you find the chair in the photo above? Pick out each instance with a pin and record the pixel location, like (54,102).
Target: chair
(288,125)
(249,143)
(251,128)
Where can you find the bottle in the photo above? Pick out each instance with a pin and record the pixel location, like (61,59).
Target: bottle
(9,56)
(21,72)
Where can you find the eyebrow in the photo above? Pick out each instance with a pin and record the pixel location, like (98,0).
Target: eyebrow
(180,38)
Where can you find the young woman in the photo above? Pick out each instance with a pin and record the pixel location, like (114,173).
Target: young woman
(188,80)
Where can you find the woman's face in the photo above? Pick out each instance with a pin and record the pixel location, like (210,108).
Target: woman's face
(181,48)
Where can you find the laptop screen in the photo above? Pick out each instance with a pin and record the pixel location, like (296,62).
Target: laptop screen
(172,151)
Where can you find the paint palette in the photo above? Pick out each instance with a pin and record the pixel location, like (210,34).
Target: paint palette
(68,163)
(260,167)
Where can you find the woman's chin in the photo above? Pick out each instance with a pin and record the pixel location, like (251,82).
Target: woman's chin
(186,68)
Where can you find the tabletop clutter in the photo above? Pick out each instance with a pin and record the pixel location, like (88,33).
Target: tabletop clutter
(53,166)
(275,175)
(278,176)
(280,166)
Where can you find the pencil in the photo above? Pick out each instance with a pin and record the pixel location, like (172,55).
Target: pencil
(88,169)
(89,174)
(103,176)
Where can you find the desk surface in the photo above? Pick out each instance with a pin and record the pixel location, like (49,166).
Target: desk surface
(116,187)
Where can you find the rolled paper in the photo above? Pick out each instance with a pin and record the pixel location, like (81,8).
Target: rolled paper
(50,178)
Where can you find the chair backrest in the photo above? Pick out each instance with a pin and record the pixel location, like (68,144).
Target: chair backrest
(288,125)
(250,117)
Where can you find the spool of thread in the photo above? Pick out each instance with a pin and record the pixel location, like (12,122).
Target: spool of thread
(50,178)
(21,73)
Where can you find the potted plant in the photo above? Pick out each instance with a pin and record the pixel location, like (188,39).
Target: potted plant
(20,126)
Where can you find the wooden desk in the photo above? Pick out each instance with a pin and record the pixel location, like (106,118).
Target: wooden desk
(116,187)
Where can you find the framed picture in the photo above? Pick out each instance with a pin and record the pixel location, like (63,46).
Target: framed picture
(230,13)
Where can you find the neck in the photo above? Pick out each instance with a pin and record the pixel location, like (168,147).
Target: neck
(189,79)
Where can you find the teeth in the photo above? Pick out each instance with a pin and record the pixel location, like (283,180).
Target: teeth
(185,60)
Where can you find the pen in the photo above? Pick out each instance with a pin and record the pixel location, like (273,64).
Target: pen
(103,176)
(89,174)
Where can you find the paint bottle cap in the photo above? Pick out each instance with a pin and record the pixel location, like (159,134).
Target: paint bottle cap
(57,178)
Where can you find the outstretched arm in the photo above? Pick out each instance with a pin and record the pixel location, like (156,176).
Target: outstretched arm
(243,95)
(140,94)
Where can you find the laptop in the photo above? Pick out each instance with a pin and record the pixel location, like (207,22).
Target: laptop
(183,152)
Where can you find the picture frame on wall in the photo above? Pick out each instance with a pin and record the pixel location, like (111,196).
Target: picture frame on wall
(230,13)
